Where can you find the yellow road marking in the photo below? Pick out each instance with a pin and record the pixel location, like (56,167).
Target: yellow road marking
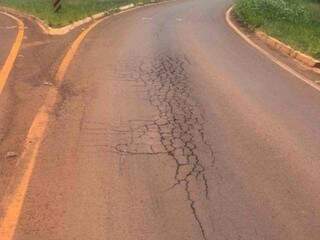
(12,203)
(8,65)
(70,54)
(268,55)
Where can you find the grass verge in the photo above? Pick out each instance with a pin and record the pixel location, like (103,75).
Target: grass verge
(71,11)
(295,22)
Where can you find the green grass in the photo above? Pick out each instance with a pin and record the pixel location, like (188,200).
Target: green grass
(295,22)
(71,11)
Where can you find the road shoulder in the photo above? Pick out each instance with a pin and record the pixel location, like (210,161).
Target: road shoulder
(24,92)
(293,66)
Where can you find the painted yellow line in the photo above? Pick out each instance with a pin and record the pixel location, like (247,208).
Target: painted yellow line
(8,65)
(12,203)
(72,51)
(267,54)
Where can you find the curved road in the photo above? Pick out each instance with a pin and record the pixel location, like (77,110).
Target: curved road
(171,127)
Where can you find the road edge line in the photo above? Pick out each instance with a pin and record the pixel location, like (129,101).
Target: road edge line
(268,55)
(10,60)
(13,203)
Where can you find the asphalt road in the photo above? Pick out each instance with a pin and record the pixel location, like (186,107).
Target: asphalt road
(8,31)
(171,127)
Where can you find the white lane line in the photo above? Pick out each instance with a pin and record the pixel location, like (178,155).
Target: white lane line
(267,54)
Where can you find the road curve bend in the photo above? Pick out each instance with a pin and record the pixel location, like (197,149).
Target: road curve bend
(170,126)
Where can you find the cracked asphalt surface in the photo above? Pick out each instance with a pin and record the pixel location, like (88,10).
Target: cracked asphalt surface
(170,127)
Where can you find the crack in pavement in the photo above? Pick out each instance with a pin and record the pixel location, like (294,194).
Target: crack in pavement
(178,130)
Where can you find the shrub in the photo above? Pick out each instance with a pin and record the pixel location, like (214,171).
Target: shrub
(258,12)
(296,22)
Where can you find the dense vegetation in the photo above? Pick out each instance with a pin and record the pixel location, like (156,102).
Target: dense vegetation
(72,9)
(296,22)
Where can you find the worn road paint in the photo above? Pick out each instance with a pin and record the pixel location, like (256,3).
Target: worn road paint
(9,63)
(70,54)
(12,203)
(268,55)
